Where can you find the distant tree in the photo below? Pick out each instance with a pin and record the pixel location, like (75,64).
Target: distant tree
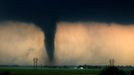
(112,70)
(5,72)
(132,72)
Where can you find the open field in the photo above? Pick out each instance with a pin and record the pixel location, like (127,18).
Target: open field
(47,71)
(50,71)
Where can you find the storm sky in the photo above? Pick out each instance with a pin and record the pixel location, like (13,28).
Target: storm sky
(20,43)
(75,43)
(87,28)
(94,43)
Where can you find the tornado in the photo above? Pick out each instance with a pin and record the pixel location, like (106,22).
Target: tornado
(48,25)
(49,40)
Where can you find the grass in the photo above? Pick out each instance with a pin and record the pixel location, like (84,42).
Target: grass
(48,71)
(53,71)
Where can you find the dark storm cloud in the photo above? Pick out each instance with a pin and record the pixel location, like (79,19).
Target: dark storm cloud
(69,10)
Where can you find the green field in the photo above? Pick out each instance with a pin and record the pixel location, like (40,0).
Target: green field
(47,71)
(54,71)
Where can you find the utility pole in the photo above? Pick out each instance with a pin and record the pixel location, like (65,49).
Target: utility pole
(111,62)
(35,61)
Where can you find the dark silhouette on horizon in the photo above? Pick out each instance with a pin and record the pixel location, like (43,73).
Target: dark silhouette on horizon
(132,72)
(112,70)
